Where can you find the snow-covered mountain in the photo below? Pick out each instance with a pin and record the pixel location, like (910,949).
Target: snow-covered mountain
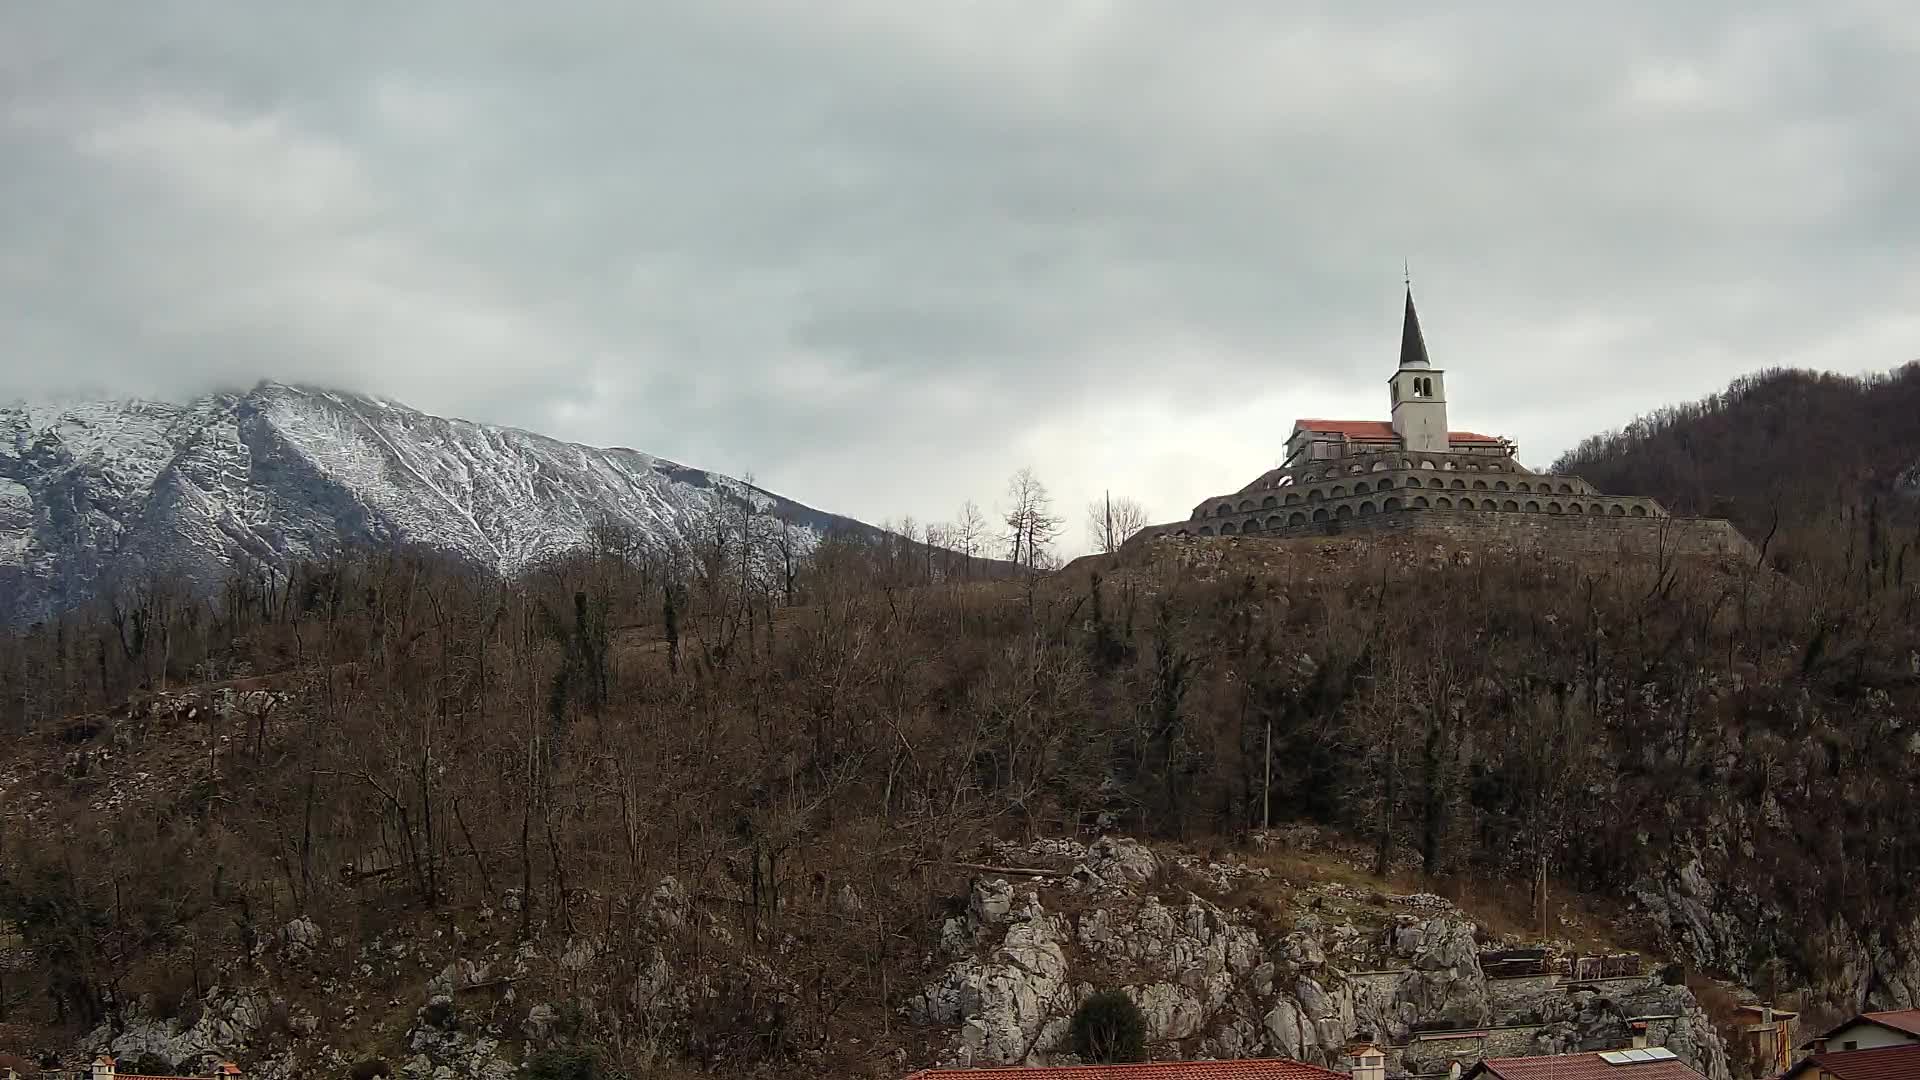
(97,493)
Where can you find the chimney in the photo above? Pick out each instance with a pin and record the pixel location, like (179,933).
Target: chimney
(1639,1035)
(1365,1061)
(102,1068)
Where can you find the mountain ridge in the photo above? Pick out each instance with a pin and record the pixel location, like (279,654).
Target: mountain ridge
(93,493)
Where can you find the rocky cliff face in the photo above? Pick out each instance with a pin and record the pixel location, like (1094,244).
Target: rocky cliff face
(1709,916)
(1214,981)
(92,494)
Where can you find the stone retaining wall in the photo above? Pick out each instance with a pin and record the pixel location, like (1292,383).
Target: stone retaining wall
(1561,534)
(1565,535)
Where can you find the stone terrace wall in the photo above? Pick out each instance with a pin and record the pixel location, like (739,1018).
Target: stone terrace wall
(1584,536)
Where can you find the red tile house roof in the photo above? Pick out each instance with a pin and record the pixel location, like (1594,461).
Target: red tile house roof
(1582,1067)
(1880,1063)
(1904,1021)
(1907,1020)
(1248,1069)
(1380,431)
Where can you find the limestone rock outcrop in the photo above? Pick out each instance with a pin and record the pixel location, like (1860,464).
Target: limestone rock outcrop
(228,1022)
(1221,982)
(1444,982)
(1015,998)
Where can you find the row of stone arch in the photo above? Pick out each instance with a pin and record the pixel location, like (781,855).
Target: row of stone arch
(1385,463)
(1420,502)
(1339,491)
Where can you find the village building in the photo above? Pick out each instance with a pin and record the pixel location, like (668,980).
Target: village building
(1871,1031)
(1241,1069)
(1768,1034)
(1898,1062)
(1639,1063)
(1414,472)
(105,1067)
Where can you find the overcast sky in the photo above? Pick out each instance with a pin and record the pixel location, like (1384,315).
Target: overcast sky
(880,254)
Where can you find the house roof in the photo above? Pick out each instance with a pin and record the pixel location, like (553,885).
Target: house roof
(1380,430)
(1582,1067)
(1880,1063)
(1905,1021)
(1245,1069)
(1757,1007)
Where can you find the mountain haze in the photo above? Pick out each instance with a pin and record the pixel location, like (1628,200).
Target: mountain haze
(96,493)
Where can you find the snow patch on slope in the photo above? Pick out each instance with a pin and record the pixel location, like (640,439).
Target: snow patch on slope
(92,492)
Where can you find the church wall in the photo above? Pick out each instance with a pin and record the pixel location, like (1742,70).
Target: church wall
(1316,495)
(1590,536)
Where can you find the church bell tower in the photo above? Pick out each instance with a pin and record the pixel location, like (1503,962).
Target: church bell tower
(1419,391)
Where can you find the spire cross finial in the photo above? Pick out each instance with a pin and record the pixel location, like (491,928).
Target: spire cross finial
(1408,267)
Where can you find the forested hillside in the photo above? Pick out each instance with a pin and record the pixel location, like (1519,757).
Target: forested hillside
(1778,452)
(802,770)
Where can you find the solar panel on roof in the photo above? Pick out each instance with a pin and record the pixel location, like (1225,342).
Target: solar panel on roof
(1638,1055)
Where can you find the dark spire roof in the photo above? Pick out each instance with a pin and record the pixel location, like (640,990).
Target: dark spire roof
(1413,347)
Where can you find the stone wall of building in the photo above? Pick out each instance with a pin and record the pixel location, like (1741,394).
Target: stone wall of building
(1587,536)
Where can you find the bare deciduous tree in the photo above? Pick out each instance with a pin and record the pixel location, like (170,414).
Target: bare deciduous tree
(969,532)
(1112,521)
(1032,526)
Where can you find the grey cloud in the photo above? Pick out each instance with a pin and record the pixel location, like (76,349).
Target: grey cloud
(881,254)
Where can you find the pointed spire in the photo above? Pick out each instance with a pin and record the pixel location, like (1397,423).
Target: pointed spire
(1413,346)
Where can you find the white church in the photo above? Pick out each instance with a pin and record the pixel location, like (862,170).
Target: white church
(1340,474)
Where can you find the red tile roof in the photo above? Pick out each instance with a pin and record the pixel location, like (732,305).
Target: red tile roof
(1580,1067)
(1367,430)
(1907,1020)
(1352,429)
(1881,1063)
(1246,1069)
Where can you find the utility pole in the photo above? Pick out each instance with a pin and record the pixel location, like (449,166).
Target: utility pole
(1266,782)
(1540,896)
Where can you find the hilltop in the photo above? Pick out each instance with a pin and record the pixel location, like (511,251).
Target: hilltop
(705,823)
(1780,453)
